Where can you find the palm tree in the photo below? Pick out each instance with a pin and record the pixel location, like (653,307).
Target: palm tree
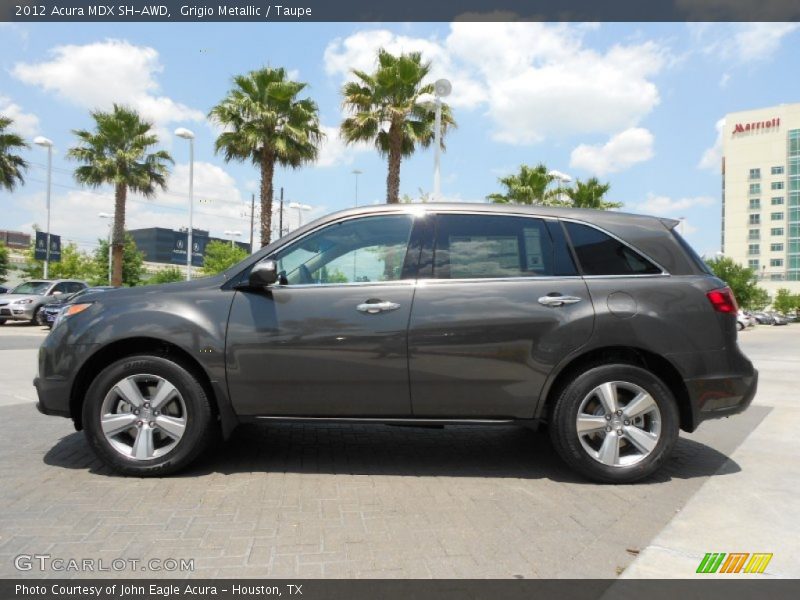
(116,153)
(529,186)
(11,165)
(384,110)
(590,194)
(265,122)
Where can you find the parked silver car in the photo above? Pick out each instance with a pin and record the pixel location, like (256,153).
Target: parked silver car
(24,301)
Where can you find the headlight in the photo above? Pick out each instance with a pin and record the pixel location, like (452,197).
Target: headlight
(70,310)
(23,301)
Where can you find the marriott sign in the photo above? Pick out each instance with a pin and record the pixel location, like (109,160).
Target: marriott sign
(757,125)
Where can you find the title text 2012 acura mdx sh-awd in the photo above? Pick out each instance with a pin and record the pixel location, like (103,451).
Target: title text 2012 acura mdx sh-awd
(605,326)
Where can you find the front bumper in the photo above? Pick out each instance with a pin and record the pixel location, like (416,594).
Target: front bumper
(17,312)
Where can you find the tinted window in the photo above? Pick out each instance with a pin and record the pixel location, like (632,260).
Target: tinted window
(354,251)
(600,254)
(486,246)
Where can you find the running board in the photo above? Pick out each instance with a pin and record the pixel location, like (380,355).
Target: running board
(422,422)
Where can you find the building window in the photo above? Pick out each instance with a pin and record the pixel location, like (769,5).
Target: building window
(777,201)
(753,264)
(777,185)
(755,203)
(776,231)
(776,216)
(777,170)
(776,247)
(754,249)
(776,276)
(755,234)
(775,262)
(755,219)
(755,188)
(755,173)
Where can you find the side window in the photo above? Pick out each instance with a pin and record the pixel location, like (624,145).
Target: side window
(59,287)
(600,254)
(359,250)
(488,246)
(74,287)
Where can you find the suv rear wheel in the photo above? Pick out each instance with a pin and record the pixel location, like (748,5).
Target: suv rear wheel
(147,416)
(615,423)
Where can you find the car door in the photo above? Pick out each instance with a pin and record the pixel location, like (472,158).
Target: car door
(330,339)
(503,305)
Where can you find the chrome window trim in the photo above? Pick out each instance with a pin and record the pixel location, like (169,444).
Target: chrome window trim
(420,211)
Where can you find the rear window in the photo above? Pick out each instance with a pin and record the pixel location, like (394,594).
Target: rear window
(600,254)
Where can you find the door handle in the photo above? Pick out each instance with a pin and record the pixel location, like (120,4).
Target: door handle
(558,300)
(373,307)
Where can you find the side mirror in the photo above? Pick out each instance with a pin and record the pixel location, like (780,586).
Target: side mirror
(263,274)
(56,293)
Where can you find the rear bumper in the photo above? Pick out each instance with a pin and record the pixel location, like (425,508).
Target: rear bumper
(721,396)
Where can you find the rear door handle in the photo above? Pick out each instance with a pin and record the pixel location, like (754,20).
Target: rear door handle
(373,307)
(558,300)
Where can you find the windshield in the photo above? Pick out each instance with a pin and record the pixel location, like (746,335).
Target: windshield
(34,288)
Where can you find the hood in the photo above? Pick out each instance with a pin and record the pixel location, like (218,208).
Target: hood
(9,298)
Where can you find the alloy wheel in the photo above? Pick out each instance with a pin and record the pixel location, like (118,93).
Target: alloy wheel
(618,424)
(143,417)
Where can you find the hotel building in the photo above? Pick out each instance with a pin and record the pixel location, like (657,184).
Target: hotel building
(761,193)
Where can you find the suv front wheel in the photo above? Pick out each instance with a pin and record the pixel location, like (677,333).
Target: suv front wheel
(147,416)
(615,423)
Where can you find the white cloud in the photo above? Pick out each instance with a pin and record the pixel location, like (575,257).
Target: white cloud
(534,80)
(334,151)
(96,75)
(743,42)
(218,206)
(25,124)
(622,151)
(712,157)
(664,205)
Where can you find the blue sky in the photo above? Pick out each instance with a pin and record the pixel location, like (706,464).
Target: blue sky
(636,104)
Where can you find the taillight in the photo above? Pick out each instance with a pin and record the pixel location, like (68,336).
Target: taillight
(723,300)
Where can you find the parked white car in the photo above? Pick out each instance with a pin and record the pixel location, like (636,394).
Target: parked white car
(745,320)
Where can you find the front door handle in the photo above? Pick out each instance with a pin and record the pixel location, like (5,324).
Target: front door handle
(558,300)
(373,307)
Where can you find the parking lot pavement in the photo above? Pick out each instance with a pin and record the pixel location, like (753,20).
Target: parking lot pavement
(753,509)
(352,500)
(18,349)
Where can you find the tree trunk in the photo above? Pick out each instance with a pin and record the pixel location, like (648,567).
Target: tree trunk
(395,154)
(267,171)
(118,234)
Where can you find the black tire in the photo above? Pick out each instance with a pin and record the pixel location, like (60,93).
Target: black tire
(739,326)
(564,433)
(200,423)
(2,321)
(35,319)
(40,318)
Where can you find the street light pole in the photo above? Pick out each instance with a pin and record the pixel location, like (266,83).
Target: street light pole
(43,141)
(357,172)
(105,215)
(441,88)
(437,156)
(188,135)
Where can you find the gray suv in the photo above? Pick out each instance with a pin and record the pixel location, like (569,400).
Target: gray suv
(24,301)
(605,327)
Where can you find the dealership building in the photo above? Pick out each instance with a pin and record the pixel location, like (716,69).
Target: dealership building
(761,193)
(163,247)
